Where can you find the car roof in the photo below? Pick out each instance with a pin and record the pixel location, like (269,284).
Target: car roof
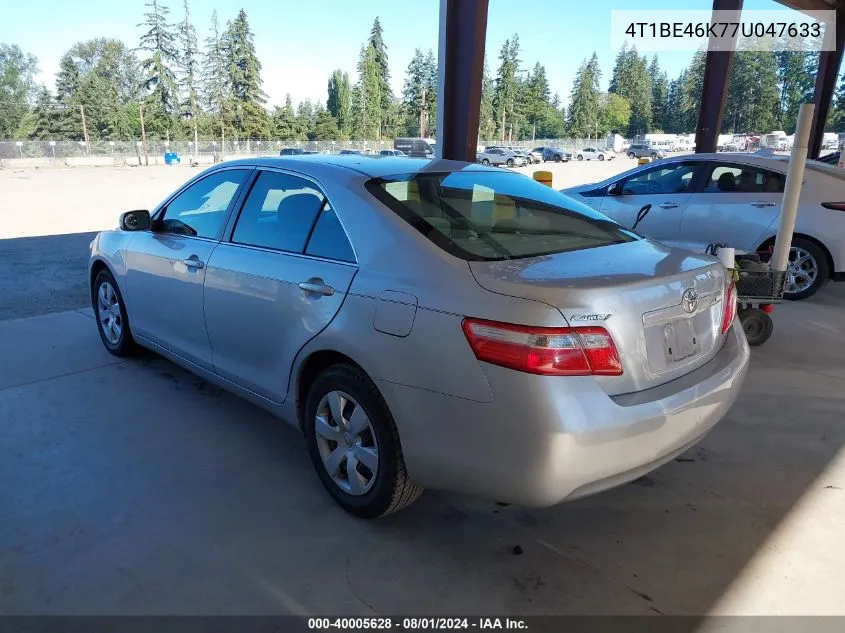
(369,165)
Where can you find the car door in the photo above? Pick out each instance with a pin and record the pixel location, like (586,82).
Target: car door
(667,187)
(734,204)
(276,282)
(166,265)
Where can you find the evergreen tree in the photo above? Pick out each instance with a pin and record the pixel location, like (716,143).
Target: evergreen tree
(284,121)
(17,87)
(614,114)
(753,96)
(536,106)
(376,41)
(325,127)
(159,42)
(103,76)
(796,74)
(189,65)
(412,93)
(585,101)
(836,118)
(215,74)
(339,102)
(430,73)
(367,96)
(486,120)
(45,118)
(507,87)
(659,94)
(243,81)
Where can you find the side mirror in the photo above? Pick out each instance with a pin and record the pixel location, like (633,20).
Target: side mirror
(615,189)
(138,220)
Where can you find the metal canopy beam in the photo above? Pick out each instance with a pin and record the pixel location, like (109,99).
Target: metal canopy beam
(463,29)
(829,63)
(714,92)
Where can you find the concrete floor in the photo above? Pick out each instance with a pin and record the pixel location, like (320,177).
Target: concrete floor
(132,487)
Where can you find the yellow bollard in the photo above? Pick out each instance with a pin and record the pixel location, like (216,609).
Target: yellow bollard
(543,177)
(643,161)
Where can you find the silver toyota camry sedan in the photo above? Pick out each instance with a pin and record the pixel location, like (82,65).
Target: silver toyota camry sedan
(428,324)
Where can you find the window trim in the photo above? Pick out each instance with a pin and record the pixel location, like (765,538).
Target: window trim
(712,165)
(229,232)
(159,211)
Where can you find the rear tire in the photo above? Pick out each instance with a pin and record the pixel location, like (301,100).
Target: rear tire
(756,324)
(389,488)
(110,313)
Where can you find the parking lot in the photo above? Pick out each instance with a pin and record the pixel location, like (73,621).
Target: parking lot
(134,487)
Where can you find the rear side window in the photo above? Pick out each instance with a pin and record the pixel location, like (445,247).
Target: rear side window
(279,212)
(743,179)
(328,239)
(482,215)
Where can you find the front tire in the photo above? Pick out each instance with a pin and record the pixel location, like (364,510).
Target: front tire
(631,155)
(485,162)
(807,270)
(510,162)
(653,156)
(354,444)
(110,312)
(557,158)
(580,157)
(601,157)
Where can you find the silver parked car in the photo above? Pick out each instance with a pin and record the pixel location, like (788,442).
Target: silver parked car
(498,156)
(428,324)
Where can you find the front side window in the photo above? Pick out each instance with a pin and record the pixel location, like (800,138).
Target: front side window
(743,179)
(479,215)
(668,179)
(279,212)
(200,210)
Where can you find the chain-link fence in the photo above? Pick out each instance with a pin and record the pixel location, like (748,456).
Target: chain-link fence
(136,152)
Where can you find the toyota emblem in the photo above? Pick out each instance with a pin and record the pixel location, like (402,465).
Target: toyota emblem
(690,300)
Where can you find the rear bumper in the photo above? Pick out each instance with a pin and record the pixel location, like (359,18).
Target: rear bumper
(544,440)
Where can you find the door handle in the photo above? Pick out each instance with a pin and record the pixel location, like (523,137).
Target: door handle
(760,204)
(194,262)
(316,286)
(669,205)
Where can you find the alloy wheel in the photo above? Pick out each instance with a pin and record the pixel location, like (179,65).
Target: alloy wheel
(347,443)
(108,311)
(801,270)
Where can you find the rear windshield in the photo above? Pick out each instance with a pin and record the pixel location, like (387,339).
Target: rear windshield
(484,215)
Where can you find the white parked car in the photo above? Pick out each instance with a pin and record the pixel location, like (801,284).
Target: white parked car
(595,153)
(700,199)
(498,156)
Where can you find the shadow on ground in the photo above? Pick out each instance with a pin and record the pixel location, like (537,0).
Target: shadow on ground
(43,274)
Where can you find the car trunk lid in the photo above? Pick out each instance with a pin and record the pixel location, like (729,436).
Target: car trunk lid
(636,291)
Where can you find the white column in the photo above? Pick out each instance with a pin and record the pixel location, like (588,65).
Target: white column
(792,190)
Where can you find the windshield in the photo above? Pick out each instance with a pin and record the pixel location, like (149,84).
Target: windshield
(489,216)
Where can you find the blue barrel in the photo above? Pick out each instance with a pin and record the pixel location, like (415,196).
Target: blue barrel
(170,158)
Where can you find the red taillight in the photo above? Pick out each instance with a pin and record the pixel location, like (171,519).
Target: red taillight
(729,308)
(834,206)
(551,351)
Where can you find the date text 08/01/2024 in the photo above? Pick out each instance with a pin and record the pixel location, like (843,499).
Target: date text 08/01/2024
(415,624)
(723,29)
